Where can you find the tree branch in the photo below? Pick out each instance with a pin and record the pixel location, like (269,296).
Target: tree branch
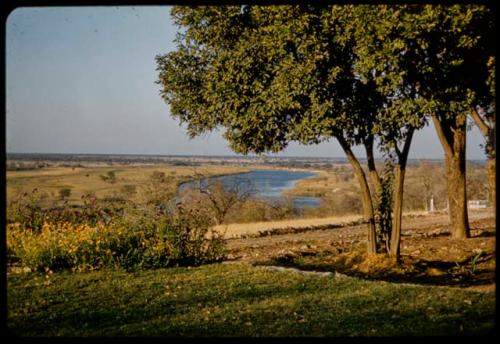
(374,175)
(481,123)
(445,139)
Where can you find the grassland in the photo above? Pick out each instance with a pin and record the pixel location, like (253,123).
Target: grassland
(237,300)
(82,180)
(245,298)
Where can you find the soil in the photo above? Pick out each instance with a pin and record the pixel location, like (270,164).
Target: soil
(428,253)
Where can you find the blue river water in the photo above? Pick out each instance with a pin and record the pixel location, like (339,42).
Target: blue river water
(267,184)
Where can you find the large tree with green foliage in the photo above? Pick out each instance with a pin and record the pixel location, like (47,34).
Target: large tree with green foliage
(386,59)
(445,54)
(459,50)
(269,76)
(460,46)
(274,74)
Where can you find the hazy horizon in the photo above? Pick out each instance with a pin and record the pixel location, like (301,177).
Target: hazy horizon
(81,80)
(222,156)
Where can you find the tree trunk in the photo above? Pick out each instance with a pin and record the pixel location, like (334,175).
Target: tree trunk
(398,195)
(374,176)
(377,188)
(398,211)
(491,169)
(452,135)
(488,131)
(365,192)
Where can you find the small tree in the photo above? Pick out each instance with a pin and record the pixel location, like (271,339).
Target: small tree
(110,177)
(269,76)
(64,193)
(216,198)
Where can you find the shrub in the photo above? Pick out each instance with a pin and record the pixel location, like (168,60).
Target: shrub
(110,177)
(134,242)
(64,193)
(129,189)
(26,210)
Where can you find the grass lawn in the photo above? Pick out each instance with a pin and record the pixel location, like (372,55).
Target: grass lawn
(237,300)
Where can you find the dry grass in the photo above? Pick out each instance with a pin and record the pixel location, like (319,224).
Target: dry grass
(236,230)
(325,183)
(84,180)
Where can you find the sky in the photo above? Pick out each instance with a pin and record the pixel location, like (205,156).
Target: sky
(82,80)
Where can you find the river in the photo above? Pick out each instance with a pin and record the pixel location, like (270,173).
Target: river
(267,184)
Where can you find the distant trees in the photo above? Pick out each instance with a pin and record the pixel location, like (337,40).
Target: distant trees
(270,75)
(64,193)
(110,177)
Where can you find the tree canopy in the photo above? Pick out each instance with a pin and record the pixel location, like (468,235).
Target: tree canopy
(270,75)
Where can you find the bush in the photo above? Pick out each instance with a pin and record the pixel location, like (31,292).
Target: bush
(135,242)
(64,193)
(27,211)
(129,189)
(110,177)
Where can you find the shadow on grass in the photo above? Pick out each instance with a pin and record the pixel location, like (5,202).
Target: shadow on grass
(465,273)
(484,234)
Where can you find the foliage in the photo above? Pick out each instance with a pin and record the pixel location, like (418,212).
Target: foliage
(129,189)
(269,75)
(158,194)
(26,210)
(89,238)
(64,193)
(133,242)
(383,207)
(93,211)
(216,199)
(110,177)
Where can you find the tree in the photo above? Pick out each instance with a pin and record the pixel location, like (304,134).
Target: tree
(110,176)
(455,74)
(445,55)
(484,112)
(269,76)
(216,198)
(64,193)
(389,61)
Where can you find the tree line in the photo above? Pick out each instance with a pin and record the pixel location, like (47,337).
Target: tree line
(368,75)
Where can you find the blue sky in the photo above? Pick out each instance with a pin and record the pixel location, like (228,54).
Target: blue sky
(82,80)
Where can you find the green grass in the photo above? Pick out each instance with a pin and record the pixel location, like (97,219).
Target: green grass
(236,300)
